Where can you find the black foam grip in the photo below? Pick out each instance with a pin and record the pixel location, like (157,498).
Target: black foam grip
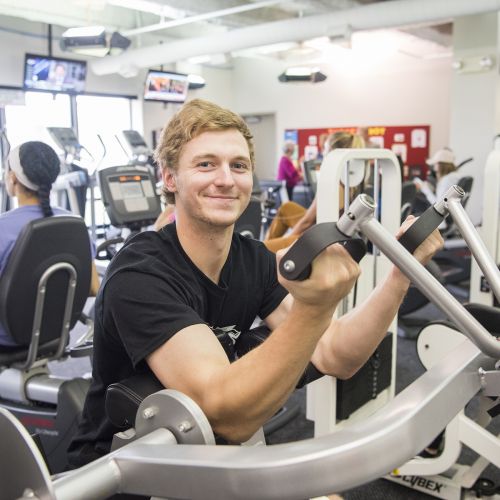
(312,243)
(421,229)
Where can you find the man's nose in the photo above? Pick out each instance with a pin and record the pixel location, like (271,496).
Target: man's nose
(224,175)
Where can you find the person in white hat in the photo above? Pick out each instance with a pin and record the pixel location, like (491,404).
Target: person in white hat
(443,164)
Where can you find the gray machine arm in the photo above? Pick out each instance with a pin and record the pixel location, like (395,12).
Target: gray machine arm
(360,217)
(297,470)
(475,243)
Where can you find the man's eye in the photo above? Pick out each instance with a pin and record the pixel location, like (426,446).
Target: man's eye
(204,164)
(240,166)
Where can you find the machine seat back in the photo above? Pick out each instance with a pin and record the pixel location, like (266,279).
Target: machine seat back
(44,287)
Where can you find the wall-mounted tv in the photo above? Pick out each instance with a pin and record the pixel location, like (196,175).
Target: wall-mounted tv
(54,74)
(166,86)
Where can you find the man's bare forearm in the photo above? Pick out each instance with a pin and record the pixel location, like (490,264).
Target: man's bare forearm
(249,391)
(351,339)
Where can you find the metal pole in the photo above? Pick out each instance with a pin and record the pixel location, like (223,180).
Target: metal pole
(476,244)
(430,287)
(103,478)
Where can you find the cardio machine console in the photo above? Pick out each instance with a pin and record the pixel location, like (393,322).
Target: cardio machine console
(129,195)
(136,142)
(65,138)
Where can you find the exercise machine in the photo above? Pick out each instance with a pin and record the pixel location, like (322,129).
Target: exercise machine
(333,403)
(129,196)
(43,290)
(250,222)
(152,464)
(447,477)
(73,181)
(480,289)
(140,153)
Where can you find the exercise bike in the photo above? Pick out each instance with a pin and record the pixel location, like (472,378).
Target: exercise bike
(43,290)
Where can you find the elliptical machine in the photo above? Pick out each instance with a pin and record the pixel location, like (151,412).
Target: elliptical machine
(72,184)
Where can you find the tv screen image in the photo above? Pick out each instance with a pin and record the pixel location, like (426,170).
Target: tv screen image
(52,73)
(166,86)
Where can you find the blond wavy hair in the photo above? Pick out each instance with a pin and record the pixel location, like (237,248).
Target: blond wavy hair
(194,118)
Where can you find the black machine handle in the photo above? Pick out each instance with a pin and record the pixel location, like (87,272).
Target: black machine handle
(296,263)
(421,229)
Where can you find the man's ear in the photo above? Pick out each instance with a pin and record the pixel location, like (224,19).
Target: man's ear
(169,180)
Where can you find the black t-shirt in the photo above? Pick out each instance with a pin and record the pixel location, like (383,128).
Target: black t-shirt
(151,291)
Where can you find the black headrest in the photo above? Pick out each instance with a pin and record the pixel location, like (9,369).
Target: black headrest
(41,244)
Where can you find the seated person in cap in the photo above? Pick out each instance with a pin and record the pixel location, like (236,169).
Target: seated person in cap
(443,165)
(31,169)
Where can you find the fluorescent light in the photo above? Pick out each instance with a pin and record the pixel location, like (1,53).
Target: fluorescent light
(199,59)
(302,74)
(152,7)
(84,31)
(192,78)
(275,47)
(318,43)
(300,71)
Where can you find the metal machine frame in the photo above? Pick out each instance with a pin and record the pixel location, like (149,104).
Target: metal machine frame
(154,465)
(340,165)
(480,291)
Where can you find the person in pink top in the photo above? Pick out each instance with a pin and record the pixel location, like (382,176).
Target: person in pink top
(287,171)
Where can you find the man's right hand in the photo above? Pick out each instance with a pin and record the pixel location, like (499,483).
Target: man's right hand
(334,273)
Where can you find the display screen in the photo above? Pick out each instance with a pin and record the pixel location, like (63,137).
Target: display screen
(134,138)
(166,86)
(131,190)
(65,137)
(51,73)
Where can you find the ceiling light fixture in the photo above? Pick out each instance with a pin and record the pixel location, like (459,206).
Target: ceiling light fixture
(93,41)
(88,40)
(196,81)
(302,74)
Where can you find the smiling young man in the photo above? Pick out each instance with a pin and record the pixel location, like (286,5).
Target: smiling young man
(176,302)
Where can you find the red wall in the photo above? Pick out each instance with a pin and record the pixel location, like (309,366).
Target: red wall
(412,142)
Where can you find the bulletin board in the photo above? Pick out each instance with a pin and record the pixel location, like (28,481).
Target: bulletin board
(411,142)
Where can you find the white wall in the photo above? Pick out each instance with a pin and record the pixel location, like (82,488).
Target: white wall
(411,95)
(475,95)
(219,90)
(148,116)
(263,129)
(15,45)
(394,93)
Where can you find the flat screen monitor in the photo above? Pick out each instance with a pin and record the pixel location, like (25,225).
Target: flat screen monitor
(54,74)
(166,86)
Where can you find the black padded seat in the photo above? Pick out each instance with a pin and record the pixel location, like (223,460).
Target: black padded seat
(123,398)
(488,316)
(44,243)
